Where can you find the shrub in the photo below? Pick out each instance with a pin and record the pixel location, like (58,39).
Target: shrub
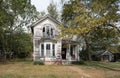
(38,63)
(78,62)
(22,54)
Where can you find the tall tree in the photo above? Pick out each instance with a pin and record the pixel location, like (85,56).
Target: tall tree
(52,10)
(84,17)
(15,15)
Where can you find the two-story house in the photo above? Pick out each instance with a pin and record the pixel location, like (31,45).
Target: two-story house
(47,47)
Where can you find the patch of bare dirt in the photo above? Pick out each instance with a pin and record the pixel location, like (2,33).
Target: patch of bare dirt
(80,72)
(90,72)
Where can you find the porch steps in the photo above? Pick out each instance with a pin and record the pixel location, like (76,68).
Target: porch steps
(66,62)
(58,62)
(63,62)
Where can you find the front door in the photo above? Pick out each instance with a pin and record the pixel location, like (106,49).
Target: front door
(63,53)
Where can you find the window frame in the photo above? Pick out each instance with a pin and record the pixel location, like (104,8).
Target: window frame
(42,50)
(48,50)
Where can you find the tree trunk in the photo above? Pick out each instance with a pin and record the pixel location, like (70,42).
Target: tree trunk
(88,50)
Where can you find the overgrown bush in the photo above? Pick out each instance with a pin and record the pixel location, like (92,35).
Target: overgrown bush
(22,54)
(38,63)
(78,62)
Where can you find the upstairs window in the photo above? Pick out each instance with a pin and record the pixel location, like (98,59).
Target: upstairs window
(48,31)
(43,29)
(44,34)
(51,31)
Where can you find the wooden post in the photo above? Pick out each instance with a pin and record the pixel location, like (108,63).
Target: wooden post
(69,52)
(78,53)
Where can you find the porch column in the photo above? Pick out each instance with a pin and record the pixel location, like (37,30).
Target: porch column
(69,52)
(76,52)
(78,57)
(68,56)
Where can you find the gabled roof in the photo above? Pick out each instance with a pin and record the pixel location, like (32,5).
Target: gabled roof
(102,52)
(45,17)
(106,53)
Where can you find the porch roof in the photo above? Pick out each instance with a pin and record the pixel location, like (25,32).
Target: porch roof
(68,41)
(48,40)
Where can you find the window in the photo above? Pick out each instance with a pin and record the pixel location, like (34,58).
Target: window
(48,47)
(53,47)
(48,31)
(44,32)
(43,29)
(42,50)
(51,31)
(48,50)
(71,50)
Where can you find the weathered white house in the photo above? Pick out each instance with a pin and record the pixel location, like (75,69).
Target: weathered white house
(47,47)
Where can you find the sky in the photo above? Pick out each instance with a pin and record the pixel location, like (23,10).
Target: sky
(41,5)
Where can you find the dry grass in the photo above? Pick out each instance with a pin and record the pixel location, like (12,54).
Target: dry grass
(28,70)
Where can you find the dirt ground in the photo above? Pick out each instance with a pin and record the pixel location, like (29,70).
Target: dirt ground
(28,70)
(91,72)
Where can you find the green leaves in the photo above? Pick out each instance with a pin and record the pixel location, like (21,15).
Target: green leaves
(52,10)
(15,18)
(94,20)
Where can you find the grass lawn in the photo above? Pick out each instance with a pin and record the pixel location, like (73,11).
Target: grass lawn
(88,70)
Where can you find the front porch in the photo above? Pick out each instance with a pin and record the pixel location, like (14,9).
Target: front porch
(53,52)
(70,51)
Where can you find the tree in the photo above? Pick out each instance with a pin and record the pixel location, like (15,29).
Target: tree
(22,44)
(15,15)
(52,10)
(85,18)
(42,13)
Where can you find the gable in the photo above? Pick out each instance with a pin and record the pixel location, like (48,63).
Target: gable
(107,53)
(45,20)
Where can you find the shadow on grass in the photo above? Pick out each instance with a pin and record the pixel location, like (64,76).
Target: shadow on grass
(11,76)
(26,60)
(108,66)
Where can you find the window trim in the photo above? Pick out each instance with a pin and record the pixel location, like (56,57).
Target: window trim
(42,50)
(48,50)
